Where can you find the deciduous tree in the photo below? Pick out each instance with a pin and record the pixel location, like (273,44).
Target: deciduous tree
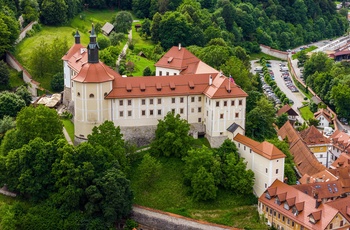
(122,22)
(10,104)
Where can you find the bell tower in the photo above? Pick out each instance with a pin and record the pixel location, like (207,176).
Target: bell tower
(93,47)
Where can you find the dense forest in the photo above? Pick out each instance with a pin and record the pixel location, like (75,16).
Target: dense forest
(281,24)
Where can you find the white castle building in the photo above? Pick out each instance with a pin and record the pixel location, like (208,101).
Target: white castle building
(183,84)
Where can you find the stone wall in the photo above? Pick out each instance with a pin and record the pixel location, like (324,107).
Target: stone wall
(276,53)
(140,136)
(25,30)
(163,220)
(27,78)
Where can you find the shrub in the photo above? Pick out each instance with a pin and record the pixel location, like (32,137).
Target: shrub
(103,42)
(57,82)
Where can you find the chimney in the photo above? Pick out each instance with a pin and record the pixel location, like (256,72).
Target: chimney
(210,80)
(179,46)
(318,202)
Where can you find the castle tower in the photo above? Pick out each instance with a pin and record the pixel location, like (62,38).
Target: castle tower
(91,85)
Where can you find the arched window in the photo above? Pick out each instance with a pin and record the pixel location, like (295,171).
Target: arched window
(91,95)
(78,94)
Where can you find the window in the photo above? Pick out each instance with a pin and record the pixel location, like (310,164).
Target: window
(221,116)
(232,102)
(173,100)
(91,95)
(266,170)
(159,101)
(240,102)
(120,102)
(160,73)
(78,94)
(199,99)
(129,113)
(121,113)
(237,115)
(192,110)
(143,102)
(283,218)
(321,155)
(199,119)
(167,73)
(288,221)
(274,213)
(330,226)
(151,112)
(181,111)
(225,103)
(181,100)
(276,171)
(199,109)
(244,148)
(143,112)
(217,103)
(159,112)
(341,223)
(151,101)
(175,73)
(129,102)
(292,223)
(265,185)
(173,111)
(105,94)
(192,99)
(279,216)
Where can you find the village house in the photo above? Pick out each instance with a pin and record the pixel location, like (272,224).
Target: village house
(292,115)
(264,159)
(324,118)
(341,143)
(184,85)
(286,207)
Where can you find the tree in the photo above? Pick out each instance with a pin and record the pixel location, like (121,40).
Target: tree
(141,8)
(38,60)
(341,99)
(103,42)
(122,22)
(147,71)
(54,12)
(260,121)
(149,170)
(237,177)
(9,29)
(203,185)
(171,137)
(146,28)
(116,38)
(39,121)
(281,120)
(313,121)
(318,62)
(6,123)
(4,75)
(57,82)
(108,136)
(30,11)
(24,93)
(10,104)
(155,33)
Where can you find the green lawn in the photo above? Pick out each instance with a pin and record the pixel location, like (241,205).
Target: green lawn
(170,194)
(16,79)
(140,64)
(306,113)
(69,127)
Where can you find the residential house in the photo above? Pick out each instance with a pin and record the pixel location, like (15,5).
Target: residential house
(286,207)
(184,85)
(341,143)
(324,118)
(292,115)
(305,161)
(264,159)
(318,144)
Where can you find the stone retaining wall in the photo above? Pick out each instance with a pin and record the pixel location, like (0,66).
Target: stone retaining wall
(160,220)
(276,53)
(25,30)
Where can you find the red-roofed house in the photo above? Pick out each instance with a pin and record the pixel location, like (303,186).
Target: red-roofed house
(324,118)
(200,94)
(292,115)
(264,159)
(286,207)
(341,143)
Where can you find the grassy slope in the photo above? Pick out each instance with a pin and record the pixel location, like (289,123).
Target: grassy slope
(69,127)
(170,194)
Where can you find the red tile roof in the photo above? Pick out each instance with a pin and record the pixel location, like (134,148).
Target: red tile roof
(312,136)
(324,113)
(343,205)
(307,204)
(342,161)
(95,72)
(160,86)
(264,149)
(304,159)
(323,190)
(321,176)
(287,109)
(73,50)
(341,140)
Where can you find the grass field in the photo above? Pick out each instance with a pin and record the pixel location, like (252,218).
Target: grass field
(69,127)
(169,193)
(15,78)
(306,113)
(140,64)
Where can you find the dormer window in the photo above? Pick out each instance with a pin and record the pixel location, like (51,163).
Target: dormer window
(286,206)
(267,195)
(159,86)
(295,211)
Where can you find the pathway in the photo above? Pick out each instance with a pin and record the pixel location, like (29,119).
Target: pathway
(125,48)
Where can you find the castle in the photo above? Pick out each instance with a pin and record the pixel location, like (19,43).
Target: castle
(212,104)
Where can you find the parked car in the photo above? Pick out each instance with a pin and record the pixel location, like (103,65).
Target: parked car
(268,65)
(344,121)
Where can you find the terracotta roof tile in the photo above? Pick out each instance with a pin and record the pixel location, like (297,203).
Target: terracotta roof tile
(73,50)
(312,136)
(305,204)
(330,189)
(264,149)
(287,109)
(343,205)
(95,72)
(304,159)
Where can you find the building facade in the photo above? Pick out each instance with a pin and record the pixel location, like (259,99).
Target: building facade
(184,85)
(264,159)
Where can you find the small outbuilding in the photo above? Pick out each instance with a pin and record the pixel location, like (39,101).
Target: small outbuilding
(107,28)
